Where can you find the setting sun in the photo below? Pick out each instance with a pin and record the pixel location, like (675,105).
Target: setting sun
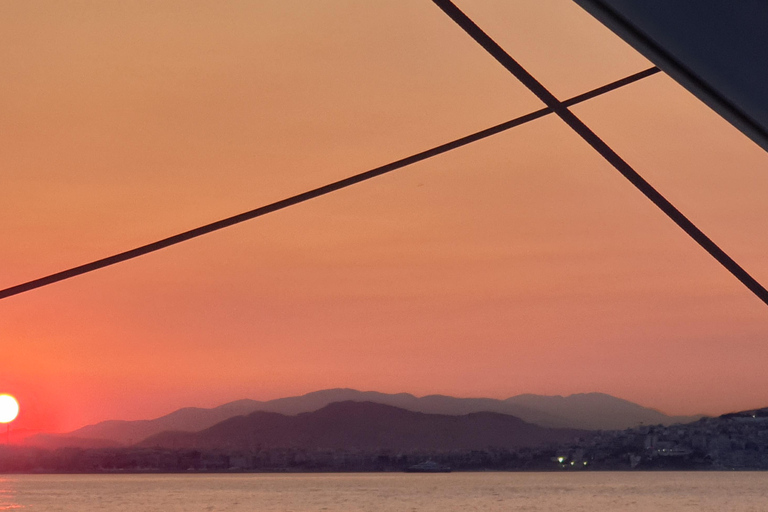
(9,408)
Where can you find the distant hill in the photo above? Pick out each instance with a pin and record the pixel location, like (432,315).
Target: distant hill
(365,426)
(55,441)
(592,411)
(121,432)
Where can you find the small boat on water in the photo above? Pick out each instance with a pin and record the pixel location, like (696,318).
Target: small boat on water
(428,466)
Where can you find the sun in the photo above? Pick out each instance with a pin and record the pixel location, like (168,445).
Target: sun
(9,408)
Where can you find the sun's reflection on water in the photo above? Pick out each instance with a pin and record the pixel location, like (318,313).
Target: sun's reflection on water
(8,496)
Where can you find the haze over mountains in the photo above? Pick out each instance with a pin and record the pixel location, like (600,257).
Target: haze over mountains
(365,426)
(590,411)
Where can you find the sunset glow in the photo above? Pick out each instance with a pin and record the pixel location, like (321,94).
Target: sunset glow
(9,408)
(522,263)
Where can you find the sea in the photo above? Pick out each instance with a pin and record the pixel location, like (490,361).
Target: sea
(401,492)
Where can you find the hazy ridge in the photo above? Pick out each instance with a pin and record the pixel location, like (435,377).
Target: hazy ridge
(588,411)
(365,426)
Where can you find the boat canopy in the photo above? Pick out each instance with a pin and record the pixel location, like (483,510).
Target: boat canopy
(718,50)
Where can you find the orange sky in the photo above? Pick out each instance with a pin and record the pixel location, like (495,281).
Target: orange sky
(520,264)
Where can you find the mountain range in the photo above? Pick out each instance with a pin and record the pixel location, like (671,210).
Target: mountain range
(364,426)
(587,411)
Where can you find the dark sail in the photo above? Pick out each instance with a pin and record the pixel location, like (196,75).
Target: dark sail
(717,50)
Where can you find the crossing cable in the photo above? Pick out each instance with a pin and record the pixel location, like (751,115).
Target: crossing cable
(311,194)
(561,109)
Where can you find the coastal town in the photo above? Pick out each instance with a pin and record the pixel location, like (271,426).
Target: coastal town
(737,441)
(731,441)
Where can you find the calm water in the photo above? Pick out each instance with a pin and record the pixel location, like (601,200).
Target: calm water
(615,492)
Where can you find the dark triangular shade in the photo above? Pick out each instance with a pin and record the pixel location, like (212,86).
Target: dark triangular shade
(717,49)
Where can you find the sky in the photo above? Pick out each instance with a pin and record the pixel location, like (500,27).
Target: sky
(519,264)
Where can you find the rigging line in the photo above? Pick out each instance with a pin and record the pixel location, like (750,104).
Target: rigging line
(561,109)
(311,194)
(743,120)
